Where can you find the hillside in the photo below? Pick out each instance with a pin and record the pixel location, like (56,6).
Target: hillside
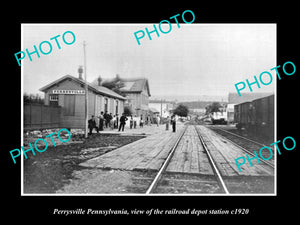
(196,104)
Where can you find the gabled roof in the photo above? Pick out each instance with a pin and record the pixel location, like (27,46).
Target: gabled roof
(98,89)
(234,98)
(135,85)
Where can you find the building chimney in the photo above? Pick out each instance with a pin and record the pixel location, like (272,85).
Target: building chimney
(80,71)
(99,81)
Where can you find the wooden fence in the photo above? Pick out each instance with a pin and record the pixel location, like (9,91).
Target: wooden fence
(37,116)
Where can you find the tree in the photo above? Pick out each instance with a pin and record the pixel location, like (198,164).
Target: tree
(115,85)
(31,98)
(213,107)
(181,110)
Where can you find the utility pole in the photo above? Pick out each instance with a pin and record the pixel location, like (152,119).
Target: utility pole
(161,107)
(86,93)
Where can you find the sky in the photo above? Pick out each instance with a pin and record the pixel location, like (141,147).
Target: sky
(195,59)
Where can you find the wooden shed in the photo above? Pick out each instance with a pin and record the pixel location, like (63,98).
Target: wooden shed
(69,93)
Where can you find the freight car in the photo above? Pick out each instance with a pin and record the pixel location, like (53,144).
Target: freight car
(256,116)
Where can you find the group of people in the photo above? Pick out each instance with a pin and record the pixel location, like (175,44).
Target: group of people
(116,122)
(156,120)
(107,120)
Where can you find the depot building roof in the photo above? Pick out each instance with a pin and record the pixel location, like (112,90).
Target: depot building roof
(97,89)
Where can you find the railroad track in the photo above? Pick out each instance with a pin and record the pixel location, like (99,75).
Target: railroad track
(212,183)
(246,144)
(215,168)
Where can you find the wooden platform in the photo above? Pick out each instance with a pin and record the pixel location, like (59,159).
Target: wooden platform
(149,154)
(145,154)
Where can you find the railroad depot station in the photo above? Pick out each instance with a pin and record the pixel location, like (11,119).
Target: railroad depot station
(69,93)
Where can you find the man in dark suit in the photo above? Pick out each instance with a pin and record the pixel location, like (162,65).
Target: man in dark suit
(122,122)
(173,122)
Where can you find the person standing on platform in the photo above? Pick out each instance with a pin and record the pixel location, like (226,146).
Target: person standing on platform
(122,122)
(167,123)
(131,122)
(106,119)
(92,125)
(134,122)
(141,122)
(173,121)
(97,123)
(157,120)
(113,122)
(117,120)
(101,121)
(110,117)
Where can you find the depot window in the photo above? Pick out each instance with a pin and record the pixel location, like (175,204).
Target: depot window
(53,98)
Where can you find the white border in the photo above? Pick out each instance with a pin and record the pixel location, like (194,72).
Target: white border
(22,117)
(83,194)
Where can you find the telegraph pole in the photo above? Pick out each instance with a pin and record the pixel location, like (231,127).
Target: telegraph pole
(86,93)
(161,107)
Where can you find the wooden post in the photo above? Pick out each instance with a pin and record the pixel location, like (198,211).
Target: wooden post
(86,93)
(161,107)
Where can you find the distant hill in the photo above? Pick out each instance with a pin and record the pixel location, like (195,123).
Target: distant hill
(196,104)
(191,98)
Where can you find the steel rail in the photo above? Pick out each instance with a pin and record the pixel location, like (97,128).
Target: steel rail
(245,150)
(240,136)
(165,164)
(215,168)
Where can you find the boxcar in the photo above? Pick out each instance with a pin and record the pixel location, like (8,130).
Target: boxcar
(256,116)
(264,115)
(242,115)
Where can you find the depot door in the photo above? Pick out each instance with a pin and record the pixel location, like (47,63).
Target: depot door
(69,105)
